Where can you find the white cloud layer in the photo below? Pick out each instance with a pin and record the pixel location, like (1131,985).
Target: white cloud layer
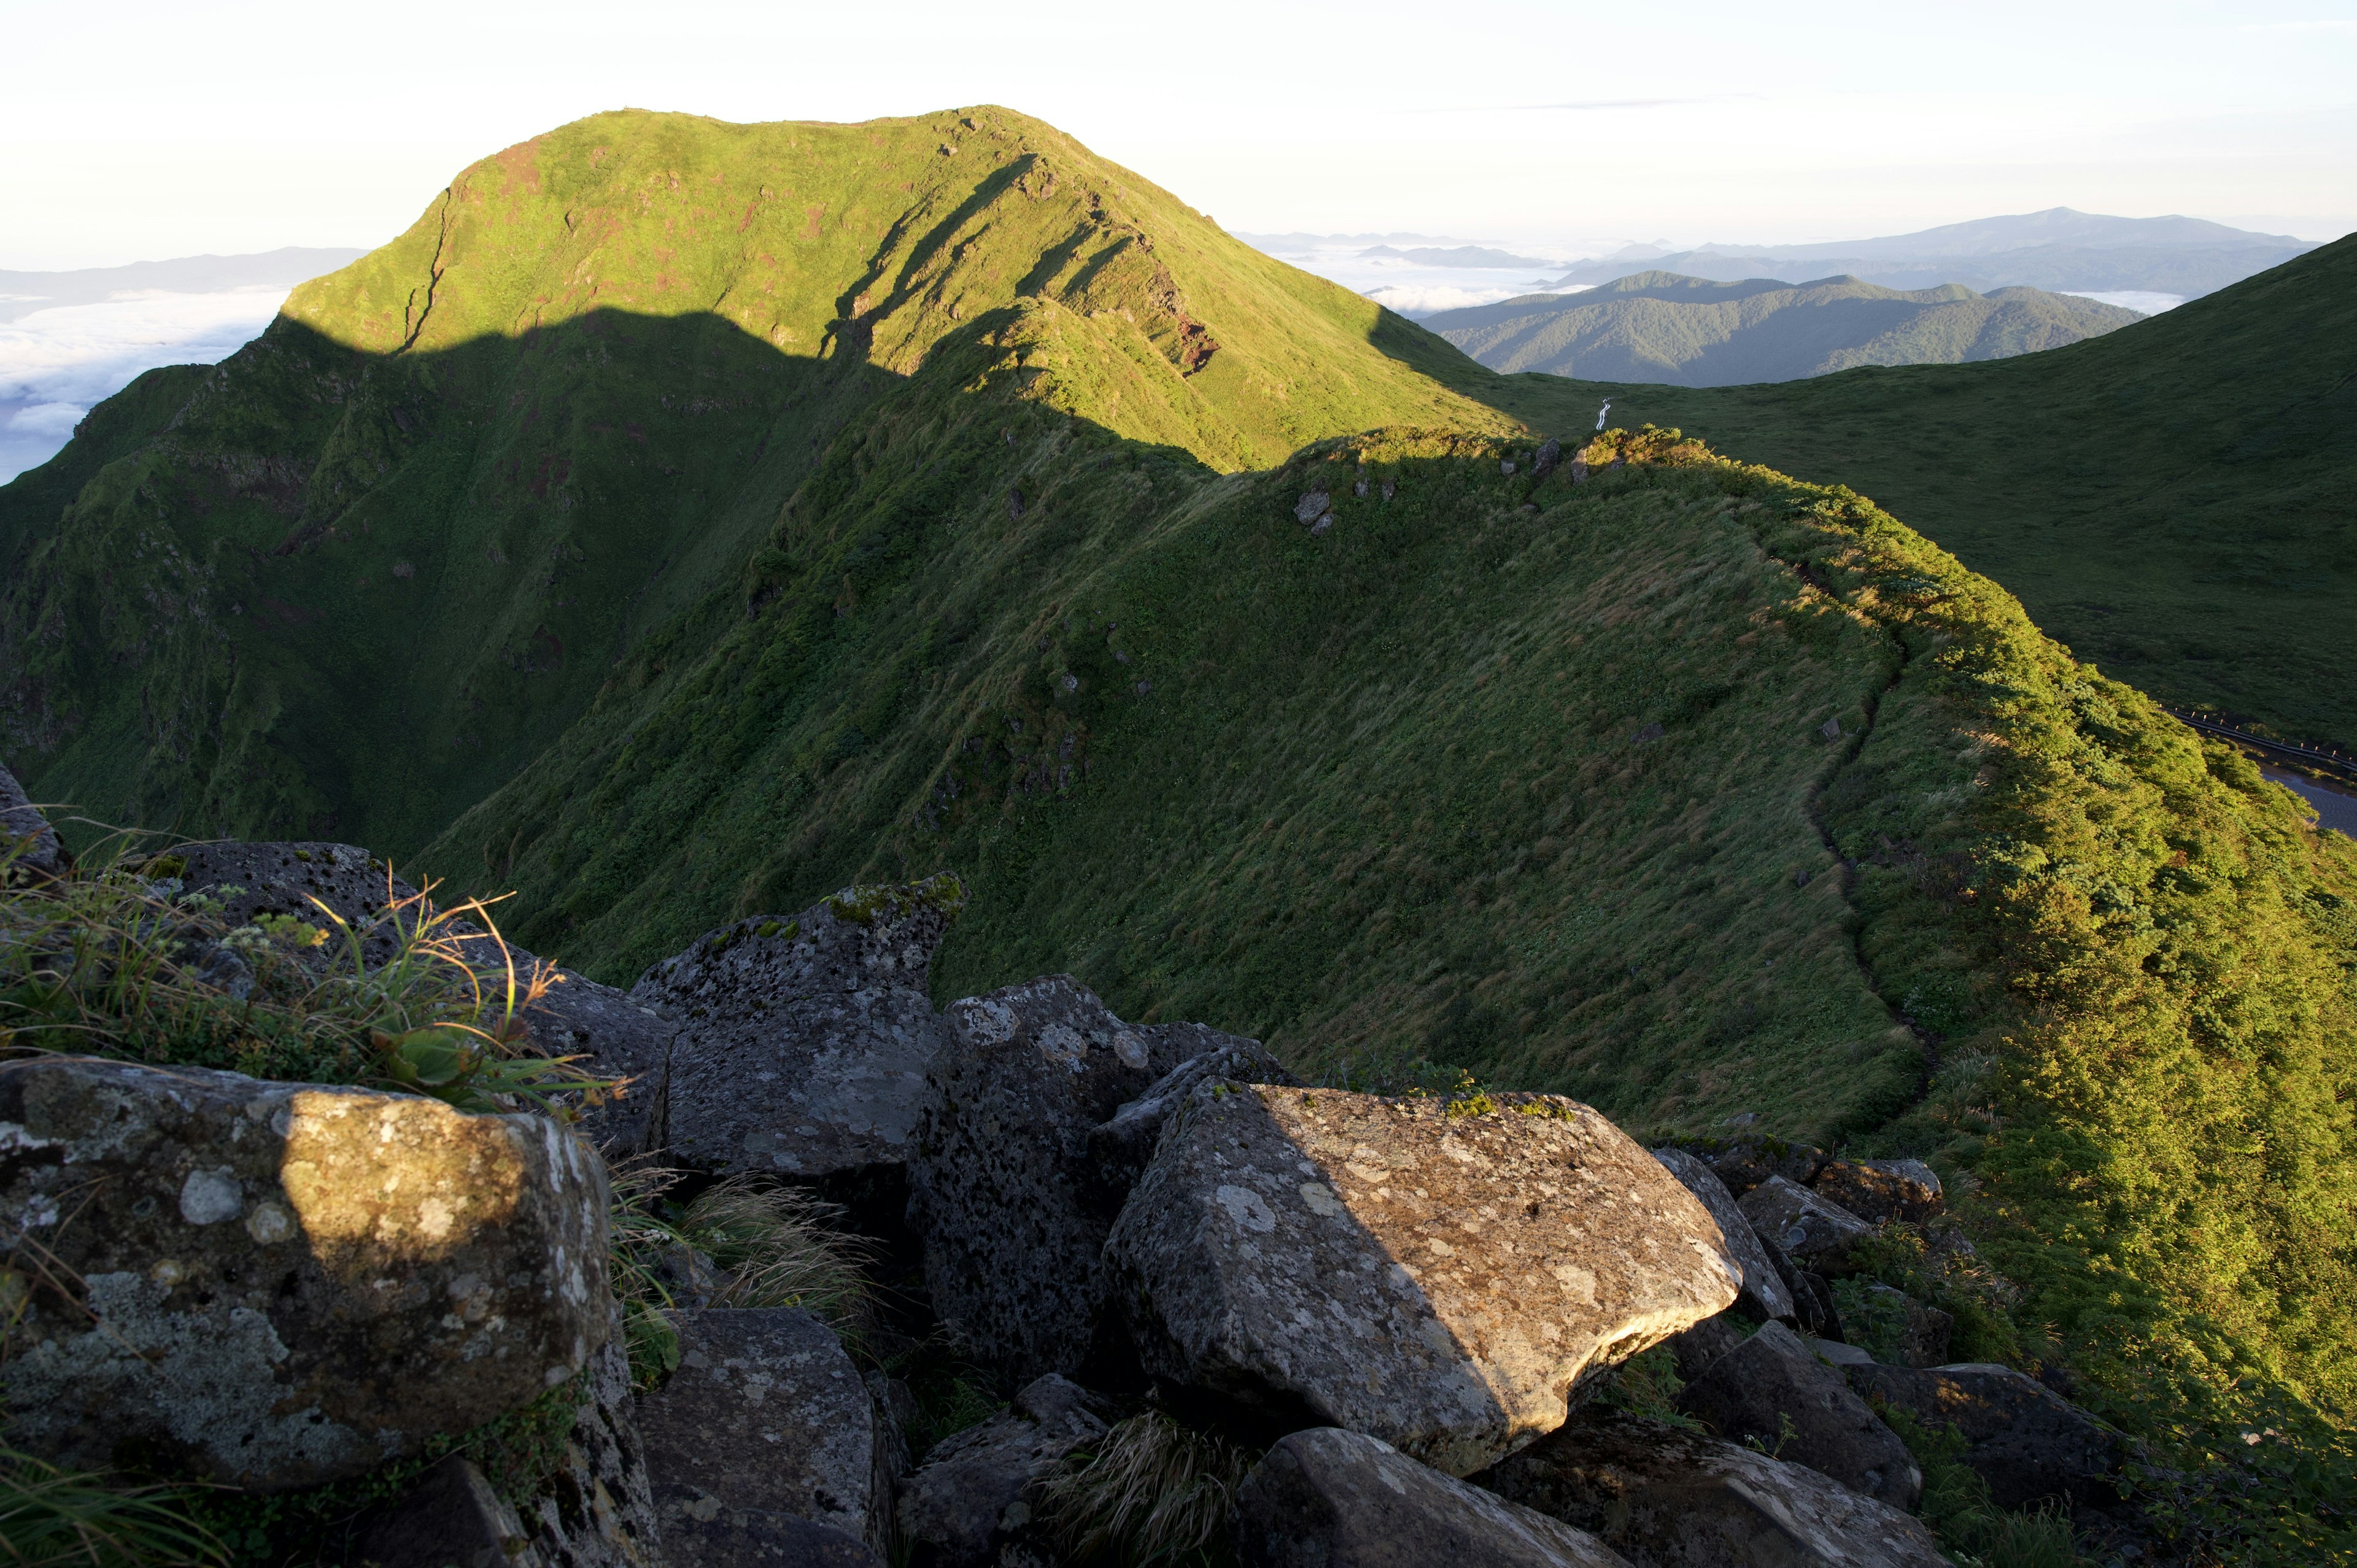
(2146,300)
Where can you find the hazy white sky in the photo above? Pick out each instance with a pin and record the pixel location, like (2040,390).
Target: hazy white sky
(139,130)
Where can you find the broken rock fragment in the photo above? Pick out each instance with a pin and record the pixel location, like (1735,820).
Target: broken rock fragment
(2030,1445)
(1878,1191)
(970,1501)
(1442,1275)
(1772,1390)
(1815,1233)
(1763,1287)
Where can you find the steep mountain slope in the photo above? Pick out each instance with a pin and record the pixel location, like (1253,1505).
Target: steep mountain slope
(381,556)
(2177,501)
(1659,327)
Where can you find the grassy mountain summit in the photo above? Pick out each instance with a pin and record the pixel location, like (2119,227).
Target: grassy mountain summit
(1660,327)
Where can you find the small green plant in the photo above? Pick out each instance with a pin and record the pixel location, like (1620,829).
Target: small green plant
(1151,1491)
(58,1518)
(1648,1384)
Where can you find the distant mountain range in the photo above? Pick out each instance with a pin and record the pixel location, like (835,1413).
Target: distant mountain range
(21,294)
(1660,327)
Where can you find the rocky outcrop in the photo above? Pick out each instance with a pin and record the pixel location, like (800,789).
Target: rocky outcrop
(969,1505)
(1773,1391)
(1442,1275)
(277,1284)
(1668,1499)
(1880,1191)
(1121,1146)
(598,1510)
(1329,1498)
(1747,1162)
(1816,1234)
(1764,1291)
(2027,1442)
(765,1420)
(804,1040)
(30,851)
(1004,1189)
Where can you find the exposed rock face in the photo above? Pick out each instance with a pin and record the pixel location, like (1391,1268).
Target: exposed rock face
(601,1512)
(1878,1191)
(451,1519)
(1003,1188)
(767,1418)
(1816,1234)
(1773,1387)
(1329,1498)
(1121,1146)
(967,1506)
(2027,1442)
(27,841)
(1745,1164)
(1764,1293)
(251,879)
(1667,1498)
(281,1285)
(1440,1280)
(804,1041)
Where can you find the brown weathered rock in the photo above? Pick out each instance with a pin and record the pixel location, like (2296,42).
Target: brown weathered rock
(30,851)
(281,1284)
(1815,1233)
(1668,1499)
(967,1506)
(804,1041)
(1765,1294)
(1878,1191)
(1442,1280)
(766,1418)
(2029,1442)
(451,1519)
(1330,1498)
(1773,1390)
(1003,1189)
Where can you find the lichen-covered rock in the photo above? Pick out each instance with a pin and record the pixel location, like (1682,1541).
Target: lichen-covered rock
(598,1510)
(1814,1232)
(2028,1444)
(615,1038)
(297,879)
(277,1284)
(1444,1276)
(1330,1498)
(1764,1293)
(1773,1391)
(804,1040)
(1878,1191)
(1121,1146)
(30,851)
(450,1518)
(1668,1499)
(766,1416)
(1003,1189)
(968,1504)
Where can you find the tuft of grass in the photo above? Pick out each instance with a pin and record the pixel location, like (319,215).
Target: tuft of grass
(1971,1528)
(58,1518)
(1648,1384)
(1151,1492)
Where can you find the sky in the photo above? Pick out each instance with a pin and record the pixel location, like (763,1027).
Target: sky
(139,131)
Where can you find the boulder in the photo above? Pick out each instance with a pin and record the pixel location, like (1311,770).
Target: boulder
(1002,1188)
(1764,1293)
(30,851)
(1696,1349)
(297,879)
(1773,1390)
(277,1284)
(1814,1232)
(1669,1499)
(2026,1441)
(1904,1331)
(804,1041)
(1121,1146)
(766,1419)
(1880,1191)
(1550,453)
(598,1511)
(450,1518)
(1747,1162)
(1443,1276)
(968,1503)
(1330,1498)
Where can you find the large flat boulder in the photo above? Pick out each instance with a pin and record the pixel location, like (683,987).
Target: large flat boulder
(1773,1391)
(1665,1497)
(969,1505)
(275,1285)
(1764,1291)
(1815,1233)
(766,1419)
(1004,1190)
(2029,1442)
(1444,1276)
(1329,1498)
(804,1040)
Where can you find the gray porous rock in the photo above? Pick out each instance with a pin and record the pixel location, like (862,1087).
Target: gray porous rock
(1123,1146)
(2027,1442)
(1312,505)
(968,1506)
(1003,1189)
(1441,1275)
(1880,1191)
(1330,1498)
(450,1518)
(598,1511)
(1772,1389)
(1747,1162)
(1665,1497)
(804,1040)
(766,1418)
(1764,1293)
(1814,1232)
(612,1037)
(277,1284)
(28,843)
(293,879)
(1550,453)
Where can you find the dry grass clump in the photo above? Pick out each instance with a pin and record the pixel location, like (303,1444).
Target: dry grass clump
(1152,1492)
(57,1519)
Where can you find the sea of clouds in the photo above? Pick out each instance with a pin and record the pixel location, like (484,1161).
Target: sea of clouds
(1416,290)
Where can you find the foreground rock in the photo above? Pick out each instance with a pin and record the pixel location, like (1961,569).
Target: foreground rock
(804,1041)
(1004,1189)
(764,1442)
(1816,1234)
(1122,1147)
(1396,1267)
(2027,1442)
(452,1519)
(969,1505)
(599,1511)
(30,851)
(1668,1499)
(1773,1390)
(282,1285)
(1880,1191)
(1329,1498)
(1764,1291)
